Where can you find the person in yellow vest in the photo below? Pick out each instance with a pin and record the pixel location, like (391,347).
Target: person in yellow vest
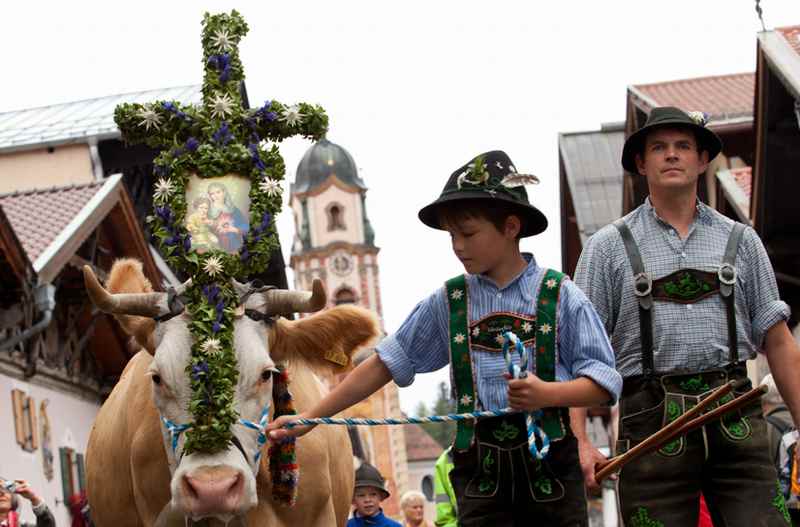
(444,496)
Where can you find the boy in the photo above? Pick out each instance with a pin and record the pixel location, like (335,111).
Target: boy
(369,492)
(485,208)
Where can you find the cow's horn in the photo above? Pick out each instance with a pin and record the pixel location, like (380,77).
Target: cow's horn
(281,302)
(141,304)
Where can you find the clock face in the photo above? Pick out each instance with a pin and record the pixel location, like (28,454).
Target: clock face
(341,263)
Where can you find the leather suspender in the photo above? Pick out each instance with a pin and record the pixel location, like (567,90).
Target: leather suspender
(643,289)
(727,286)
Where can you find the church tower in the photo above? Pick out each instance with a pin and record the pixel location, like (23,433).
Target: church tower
(334,242)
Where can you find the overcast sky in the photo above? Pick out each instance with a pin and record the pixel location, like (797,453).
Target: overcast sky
(413,89)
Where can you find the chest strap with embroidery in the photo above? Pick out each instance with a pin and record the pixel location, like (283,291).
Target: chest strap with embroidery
(461,371)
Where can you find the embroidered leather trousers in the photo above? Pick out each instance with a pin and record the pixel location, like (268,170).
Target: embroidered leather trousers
(498,483)
(727,460)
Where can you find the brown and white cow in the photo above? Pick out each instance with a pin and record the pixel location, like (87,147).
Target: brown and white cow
(134,476)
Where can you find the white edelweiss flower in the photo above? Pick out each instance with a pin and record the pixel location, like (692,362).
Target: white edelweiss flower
(213,266)
(211,346)
(545,328)
(465,400)
(459,338)
(149,118)
(527,327)
(550,283)
(221,106)
(476,331)
(222,41)
(457,294)
(700,118)
(292,115)
(271,187)
(164,188)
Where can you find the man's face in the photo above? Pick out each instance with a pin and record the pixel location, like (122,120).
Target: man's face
(367,501)
(671,160)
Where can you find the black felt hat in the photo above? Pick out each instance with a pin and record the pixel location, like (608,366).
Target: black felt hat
(493,176)
(369,476)
(667,116)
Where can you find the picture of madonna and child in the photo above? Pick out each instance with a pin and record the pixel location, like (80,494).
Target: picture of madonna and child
(215,222)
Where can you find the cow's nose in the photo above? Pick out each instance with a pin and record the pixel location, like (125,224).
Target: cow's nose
(209,491)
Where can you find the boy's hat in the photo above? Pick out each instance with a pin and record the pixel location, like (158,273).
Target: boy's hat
(368,476)
(491,175)
(667,116)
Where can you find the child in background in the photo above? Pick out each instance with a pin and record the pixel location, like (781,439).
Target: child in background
(370,491)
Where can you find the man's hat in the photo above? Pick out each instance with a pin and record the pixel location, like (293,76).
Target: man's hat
(368,476)
(665,117)
(490,176)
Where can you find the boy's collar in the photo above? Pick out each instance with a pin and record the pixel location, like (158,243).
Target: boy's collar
(531,267)
(375,516)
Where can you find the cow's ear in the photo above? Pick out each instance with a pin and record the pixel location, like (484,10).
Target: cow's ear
(126,276)
(328,338)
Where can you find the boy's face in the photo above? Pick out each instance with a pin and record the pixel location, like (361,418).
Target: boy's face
(479,245)
(367,501)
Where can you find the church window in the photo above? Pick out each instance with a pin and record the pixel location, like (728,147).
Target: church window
(336,217)
(345,296)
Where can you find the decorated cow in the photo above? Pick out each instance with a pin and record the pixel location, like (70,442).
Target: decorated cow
(138,468)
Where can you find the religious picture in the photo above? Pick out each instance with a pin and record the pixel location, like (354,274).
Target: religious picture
(217,212)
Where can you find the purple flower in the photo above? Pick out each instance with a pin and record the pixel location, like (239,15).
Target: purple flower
(223,136)
(161,170)
(244,254)
(168,106)
(192,144)
(213,61)
(215,327)
(219,307)
(164,213)
(265,220)
(211,293)
(187,243)
(199,370)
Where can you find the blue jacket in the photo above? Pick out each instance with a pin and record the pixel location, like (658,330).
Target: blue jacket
(379,520)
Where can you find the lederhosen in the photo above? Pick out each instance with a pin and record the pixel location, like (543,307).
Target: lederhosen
(495,478)
(727,460)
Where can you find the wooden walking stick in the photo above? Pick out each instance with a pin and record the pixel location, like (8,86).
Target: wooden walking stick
(684,424)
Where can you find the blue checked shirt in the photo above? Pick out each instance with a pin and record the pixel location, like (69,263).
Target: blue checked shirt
(421,343)
(689,337)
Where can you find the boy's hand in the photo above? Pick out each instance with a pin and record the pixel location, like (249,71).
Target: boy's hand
(276,433)
(529,393)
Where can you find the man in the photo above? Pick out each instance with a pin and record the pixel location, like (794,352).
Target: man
(687,296)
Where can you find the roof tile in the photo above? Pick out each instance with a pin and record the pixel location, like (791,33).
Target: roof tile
(38,216)
(722,96)
(420,445)
(792,36)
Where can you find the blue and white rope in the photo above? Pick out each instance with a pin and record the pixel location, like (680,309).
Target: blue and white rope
(518,372)
(260,426)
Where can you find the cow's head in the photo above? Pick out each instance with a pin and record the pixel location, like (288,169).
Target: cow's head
(223,485)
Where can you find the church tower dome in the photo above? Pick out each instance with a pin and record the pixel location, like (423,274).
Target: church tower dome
(323,160)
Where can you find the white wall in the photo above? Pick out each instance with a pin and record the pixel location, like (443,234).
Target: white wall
(70,423)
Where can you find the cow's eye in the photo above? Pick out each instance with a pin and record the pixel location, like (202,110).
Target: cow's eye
(156,379)
(266,375)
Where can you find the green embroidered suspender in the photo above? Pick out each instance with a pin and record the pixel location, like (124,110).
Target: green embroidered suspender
(461,375)
(461,372)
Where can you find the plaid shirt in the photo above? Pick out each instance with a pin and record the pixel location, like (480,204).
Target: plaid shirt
(422,343)
(686,337)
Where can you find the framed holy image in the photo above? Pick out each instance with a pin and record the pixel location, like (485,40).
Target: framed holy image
(217,212)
